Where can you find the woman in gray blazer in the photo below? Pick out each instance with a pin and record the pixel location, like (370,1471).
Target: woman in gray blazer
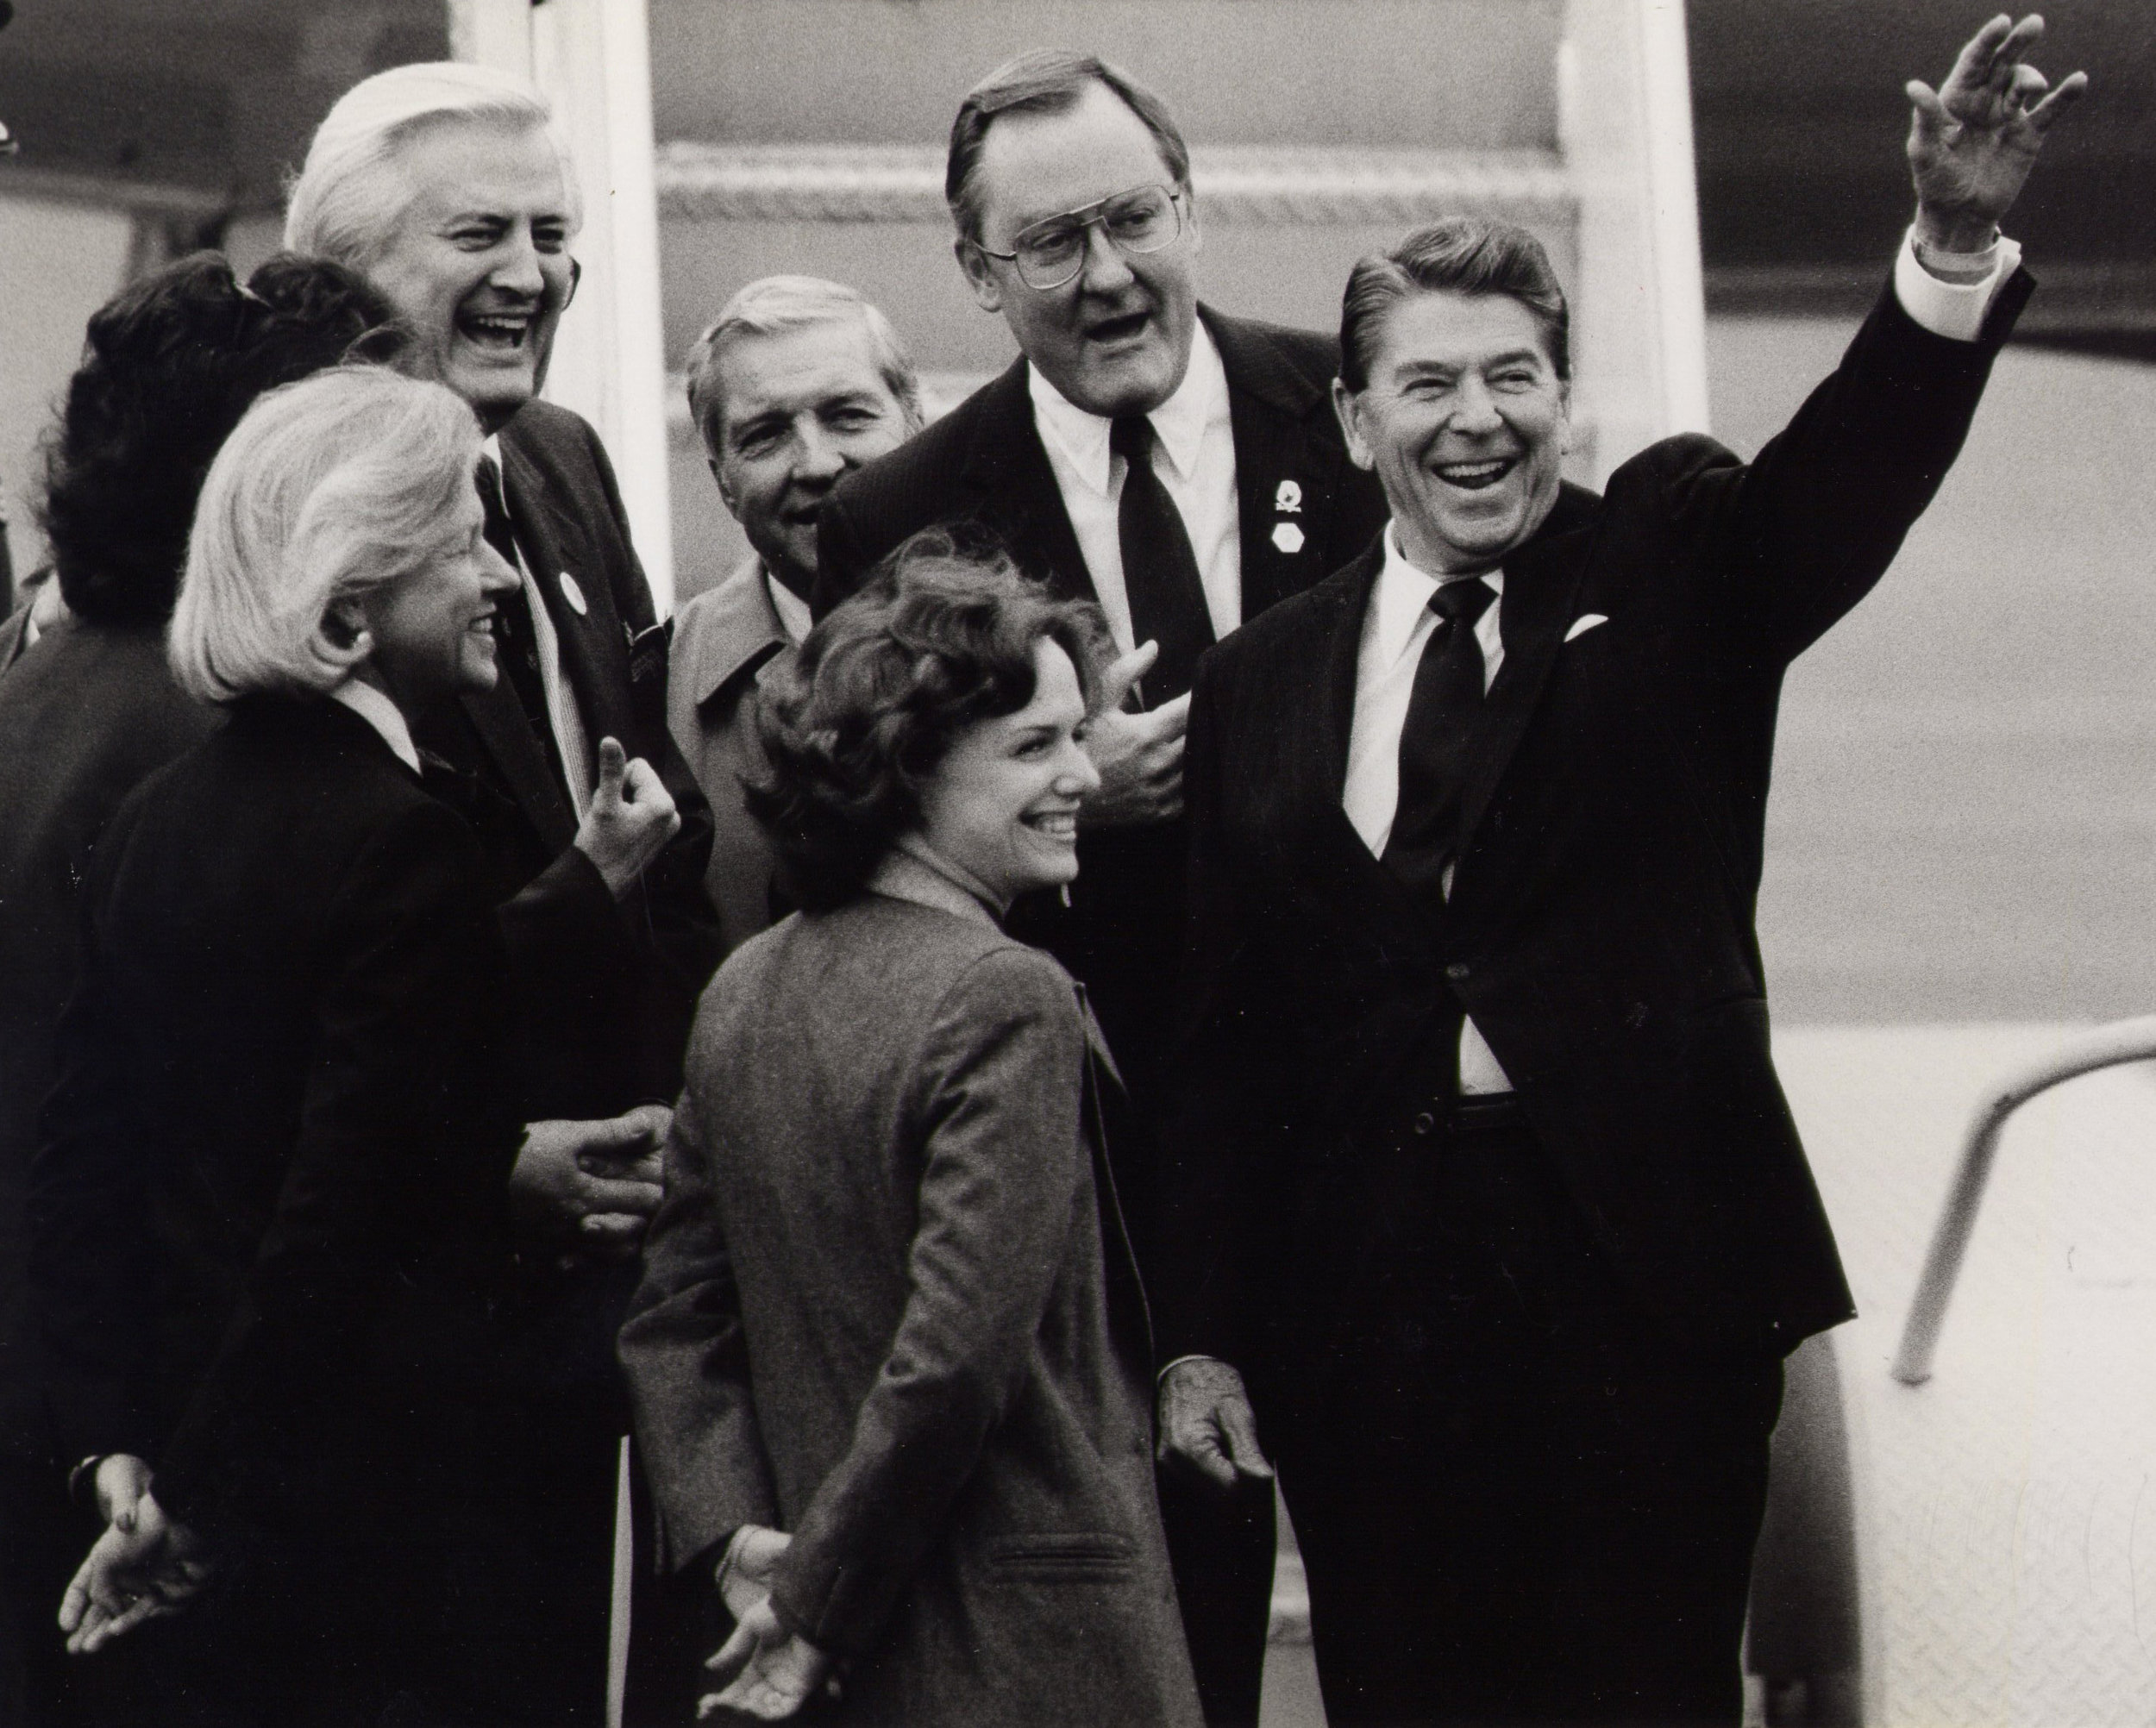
(888,1306)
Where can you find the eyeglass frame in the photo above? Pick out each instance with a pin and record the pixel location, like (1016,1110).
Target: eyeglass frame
(1092,215)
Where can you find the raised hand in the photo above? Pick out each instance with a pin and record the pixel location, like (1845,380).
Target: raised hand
(1972,142)
(1139,756)
(629,820)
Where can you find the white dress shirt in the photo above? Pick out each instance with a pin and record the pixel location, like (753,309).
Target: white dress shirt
(570,738)
(375,707)
(1398,624)
(1194,453)
(792,610)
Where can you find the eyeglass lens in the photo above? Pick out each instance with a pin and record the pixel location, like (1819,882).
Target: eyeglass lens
(1051,252)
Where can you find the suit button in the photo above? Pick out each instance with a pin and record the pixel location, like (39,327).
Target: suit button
(1425,1124)
(1457,971)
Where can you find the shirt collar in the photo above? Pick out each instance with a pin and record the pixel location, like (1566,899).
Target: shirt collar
(794,617)
(1198,402)
(383,715)
(1403,595)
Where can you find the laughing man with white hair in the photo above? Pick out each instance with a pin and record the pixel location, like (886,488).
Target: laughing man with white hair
(450,188)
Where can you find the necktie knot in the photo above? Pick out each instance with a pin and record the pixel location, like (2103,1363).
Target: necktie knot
(1131,436)
(1465,599)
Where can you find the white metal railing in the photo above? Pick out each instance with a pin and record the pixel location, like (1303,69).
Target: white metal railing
(2106,1047)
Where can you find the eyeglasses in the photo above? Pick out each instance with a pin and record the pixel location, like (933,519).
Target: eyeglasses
(1050,254)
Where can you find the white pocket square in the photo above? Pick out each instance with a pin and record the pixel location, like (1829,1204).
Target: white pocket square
(1584,623)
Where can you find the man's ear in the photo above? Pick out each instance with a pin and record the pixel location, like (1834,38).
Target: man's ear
(1347,408)
(1190,219)
(980,275)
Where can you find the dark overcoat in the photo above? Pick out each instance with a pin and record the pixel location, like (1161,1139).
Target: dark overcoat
(889,1307)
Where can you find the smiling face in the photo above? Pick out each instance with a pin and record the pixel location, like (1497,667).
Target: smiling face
(1464,419)
(479,264)
(1003,805)
(433,627)
(1117,339)
(799,410)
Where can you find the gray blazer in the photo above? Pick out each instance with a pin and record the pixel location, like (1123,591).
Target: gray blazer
(888,1306)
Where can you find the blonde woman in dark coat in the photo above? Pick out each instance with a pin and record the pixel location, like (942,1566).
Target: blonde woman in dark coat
(888,1308)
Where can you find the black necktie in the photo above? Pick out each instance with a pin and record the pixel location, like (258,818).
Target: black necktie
(1160,573)
(1433,743)
(514,637)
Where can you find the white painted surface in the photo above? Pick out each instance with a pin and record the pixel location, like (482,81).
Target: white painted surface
(58,262)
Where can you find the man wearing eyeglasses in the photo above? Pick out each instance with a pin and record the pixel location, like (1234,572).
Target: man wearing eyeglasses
(1180,467)
(447,186)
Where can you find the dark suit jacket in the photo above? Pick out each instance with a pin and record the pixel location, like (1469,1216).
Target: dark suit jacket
(984,463)
(1600,927)
(84,716)
(605,990)
(889,1307)
(268,1214)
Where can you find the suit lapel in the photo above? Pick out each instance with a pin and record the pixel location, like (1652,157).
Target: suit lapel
(1348,875)
(499,718)
(1540,581)
(594,651)
(1281,476)
(1007,469)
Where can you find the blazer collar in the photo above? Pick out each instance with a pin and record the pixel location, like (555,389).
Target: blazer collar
(1540,579)
(1006,468)
(1285,477)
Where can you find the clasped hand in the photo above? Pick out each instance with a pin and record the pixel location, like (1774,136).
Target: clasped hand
(591,1187)
(144,1565)
(770,1672)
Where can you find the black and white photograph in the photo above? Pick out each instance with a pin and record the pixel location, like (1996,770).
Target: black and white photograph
(1077,864)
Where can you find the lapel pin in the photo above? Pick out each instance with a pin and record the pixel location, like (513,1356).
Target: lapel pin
(1286,536)
(573,594)
(1287,501)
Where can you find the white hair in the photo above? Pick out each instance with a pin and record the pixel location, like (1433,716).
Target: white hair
(775,304)
(327,488)
(352,193)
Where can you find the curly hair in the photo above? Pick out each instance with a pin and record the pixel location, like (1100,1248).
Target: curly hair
(170,366)
(941,636)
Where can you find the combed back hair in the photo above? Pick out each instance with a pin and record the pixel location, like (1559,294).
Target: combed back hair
(169,366)
(1459,255)
(328,488)
(352,193)
(1046,81)
(776,305)
(941,636)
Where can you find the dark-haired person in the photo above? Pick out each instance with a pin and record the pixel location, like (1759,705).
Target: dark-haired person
(1484,1179)
(890,1357)
(1069,186)
(90,708)
(269,1218)
(450,187)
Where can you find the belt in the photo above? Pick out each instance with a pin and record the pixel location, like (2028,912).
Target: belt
(1485,1110)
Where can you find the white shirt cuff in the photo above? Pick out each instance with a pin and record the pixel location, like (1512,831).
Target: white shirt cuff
(1954,310)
